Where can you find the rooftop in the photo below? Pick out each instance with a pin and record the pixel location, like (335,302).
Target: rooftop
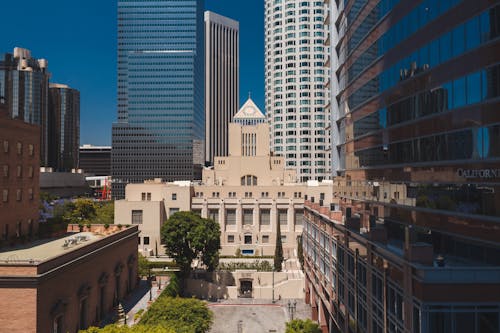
(43,250)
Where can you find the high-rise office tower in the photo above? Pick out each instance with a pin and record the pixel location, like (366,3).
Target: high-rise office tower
(64,127)
(24,84)
(410,242)
(297,99)
(222,64)
(160,131)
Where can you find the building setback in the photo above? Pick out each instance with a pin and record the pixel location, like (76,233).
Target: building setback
(415,245)
(160,131)
(64,127)
(297,98)
(24,84)
(222,64)
(19,178)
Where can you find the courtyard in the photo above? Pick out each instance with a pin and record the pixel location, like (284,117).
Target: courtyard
(254,316)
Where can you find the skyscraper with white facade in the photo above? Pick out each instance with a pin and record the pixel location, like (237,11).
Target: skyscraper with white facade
(222,85)
(160,131)
(297,96)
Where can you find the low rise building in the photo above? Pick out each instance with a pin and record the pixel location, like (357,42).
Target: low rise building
(248,192)
(67,284)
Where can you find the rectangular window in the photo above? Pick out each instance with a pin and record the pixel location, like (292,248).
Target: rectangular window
(19,195)
(283,216)
(247,216)
(265,217)
(174,196)
(137,217)
(5,195)
(143,196)
(6,146)
(299,217)
(149,196)
(265,239)
(19,171)
(146,241)
(283,238)
(172,211)
(31,149)
(230,238)
(6,171)
(213,214)
(248,239)
(230,216)
(30,194)
(19,148)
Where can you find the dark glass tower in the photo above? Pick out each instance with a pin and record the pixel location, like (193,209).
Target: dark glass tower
(411,241)
(24,85)
(64,127)
(160,131)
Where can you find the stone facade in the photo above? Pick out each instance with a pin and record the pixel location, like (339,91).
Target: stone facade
(248,192)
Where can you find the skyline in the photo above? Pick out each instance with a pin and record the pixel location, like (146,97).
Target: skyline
(94,73)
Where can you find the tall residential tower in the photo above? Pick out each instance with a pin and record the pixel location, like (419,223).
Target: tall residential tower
(222,63)
(297,99)
(160,131)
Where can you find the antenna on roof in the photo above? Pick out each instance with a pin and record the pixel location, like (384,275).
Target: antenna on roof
(249,95)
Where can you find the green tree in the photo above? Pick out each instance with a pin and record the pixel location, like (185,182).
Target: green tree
(184,315)
(300,251)
(302,326)
(105,213)
(126,329)
(278,251)
(143,266)
(80,211)
(188,236)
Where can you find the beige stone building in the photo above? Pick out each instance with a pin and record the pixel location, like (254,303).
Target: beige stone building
(248,192)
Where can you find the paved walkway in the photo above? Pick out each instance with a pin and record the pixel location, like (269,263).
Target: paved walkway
(137,300)
(254,315)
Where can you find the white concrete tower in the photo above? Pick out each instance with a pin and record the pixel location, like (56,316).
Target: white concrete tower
(297,96)
(222,87)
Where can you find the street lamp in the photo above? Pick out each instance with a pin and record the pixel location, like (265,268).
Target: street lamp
(291,308)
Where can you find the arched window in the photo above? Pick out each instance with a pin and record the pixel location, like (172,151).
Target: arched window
(249,180)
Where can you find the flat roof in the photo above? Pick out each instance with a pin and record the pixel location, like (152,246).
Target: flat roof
(43,250)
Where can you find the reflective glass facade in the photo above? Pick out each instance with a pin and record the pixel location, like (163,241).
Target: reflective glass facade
(24,84)
(411,240)
(160,131)
(64,127)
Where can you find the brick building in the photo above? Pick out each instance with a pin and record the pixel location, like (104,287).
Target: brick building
(19,178)
(67,284)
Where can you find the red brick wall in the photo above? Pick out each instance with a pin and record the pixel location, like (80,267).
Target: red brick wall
(15,302)
(61,289)
(14,211)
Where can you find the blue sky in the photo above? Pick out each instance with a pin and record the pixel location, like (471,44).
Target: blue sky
(78,38)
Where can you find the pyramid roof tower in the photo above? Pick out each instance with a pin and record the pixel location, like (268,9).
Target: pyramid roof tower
(249,114)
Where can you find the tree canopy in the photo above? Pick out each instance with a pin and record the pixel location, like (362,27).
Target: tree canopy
(183,315)
(278,251)
(126,329)
(302,326)
(187,236)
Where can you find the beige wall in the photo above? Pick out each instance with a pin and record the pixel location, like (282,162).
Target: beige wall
(221,190)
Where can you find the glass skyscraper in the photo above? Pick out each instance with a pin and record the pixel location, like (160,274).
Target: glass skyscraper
(24,85)
(160,129)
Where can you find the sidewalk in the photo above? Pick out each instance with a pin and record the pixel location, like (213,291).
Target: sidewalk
(137,300)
